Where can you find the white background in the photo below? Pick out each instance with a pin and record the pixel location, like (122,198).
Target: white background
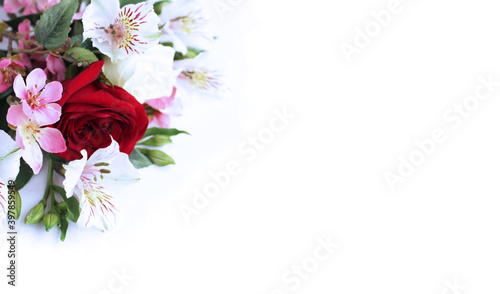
(323,175)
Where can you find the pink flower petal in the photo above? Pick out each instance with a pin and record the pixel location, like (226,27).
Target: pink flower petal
(27,109)
(24,27)
(36,80)
(20,88)
(52,92)
(3,86)
(33,156)
(51,140)
(12,6)
(164,102)
(160,120)
(47,115)
(6,62)
(56,67)
(19,140)
(16,116)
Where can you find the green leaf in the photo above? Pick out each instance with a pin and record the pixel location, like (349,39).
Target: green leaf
(159,6)
(127,2)
(55,157)
(139,160)
(87,44)
(73,209)
(53,28)
(63,225)
(4,107)
(72,71)
(14,23)
(164,132)
(192,52)
(77,54)
(60,191)
(76,41)
(77,28)
(24,176)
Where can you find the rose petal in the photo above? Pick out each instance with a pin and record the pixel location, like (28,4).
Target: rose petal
(86,77)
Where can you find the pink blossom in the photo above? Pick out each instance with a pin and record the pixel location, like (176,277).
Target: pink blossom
(39,104)
(30,6)
(31,137)
(56,69)
(38,59)
(9,69)
(163,109)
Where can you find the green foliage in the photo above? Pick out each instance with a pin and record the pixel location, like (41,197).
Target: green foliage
(139,160)
(4,107)
(24,176)
(164,132)
(127,2)
(53,28)
(77,54)
(192,52)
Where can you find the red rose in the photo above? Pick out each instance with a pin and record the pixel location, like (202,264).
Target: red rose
(92,112)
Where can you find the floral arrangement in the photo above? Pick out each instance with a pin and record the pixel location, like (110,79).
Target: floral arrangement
(88,89)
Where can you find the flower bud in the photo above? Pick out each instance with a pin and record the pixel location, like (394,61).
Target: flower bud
(50,220)
(15,205)
(157,157)
(63,206)
(156,141)
(35,215)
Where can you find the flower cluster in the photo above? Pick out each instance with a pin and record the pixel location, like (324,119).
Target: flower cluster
(88,89)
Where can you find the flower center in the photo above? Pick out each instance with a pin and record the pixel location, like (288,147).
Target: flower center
(33,99)
(186,24)
(200,78)
(31,132)
(124,30)
(8,75)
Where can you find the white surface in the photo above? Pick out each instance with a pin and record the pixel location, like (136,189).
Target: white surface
(323,175)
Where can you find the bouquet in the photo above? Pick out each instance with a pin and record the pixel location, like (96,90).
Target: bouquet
(88,89)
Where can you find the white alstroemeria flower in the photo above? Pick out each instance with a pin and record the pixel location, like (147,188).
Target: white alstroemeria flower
(4,195)
(119,33)
(196,74)
(91,179)
(10,155)
(185,24)
(147,76)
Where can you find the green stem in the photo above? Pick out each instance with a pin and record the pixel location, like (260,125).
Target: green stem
(50,181)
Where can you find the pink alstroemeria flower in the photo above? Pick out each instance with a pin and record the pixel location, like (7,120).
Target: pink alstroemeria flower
(9,69)
(30,136)
(36,104)
(163,109)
